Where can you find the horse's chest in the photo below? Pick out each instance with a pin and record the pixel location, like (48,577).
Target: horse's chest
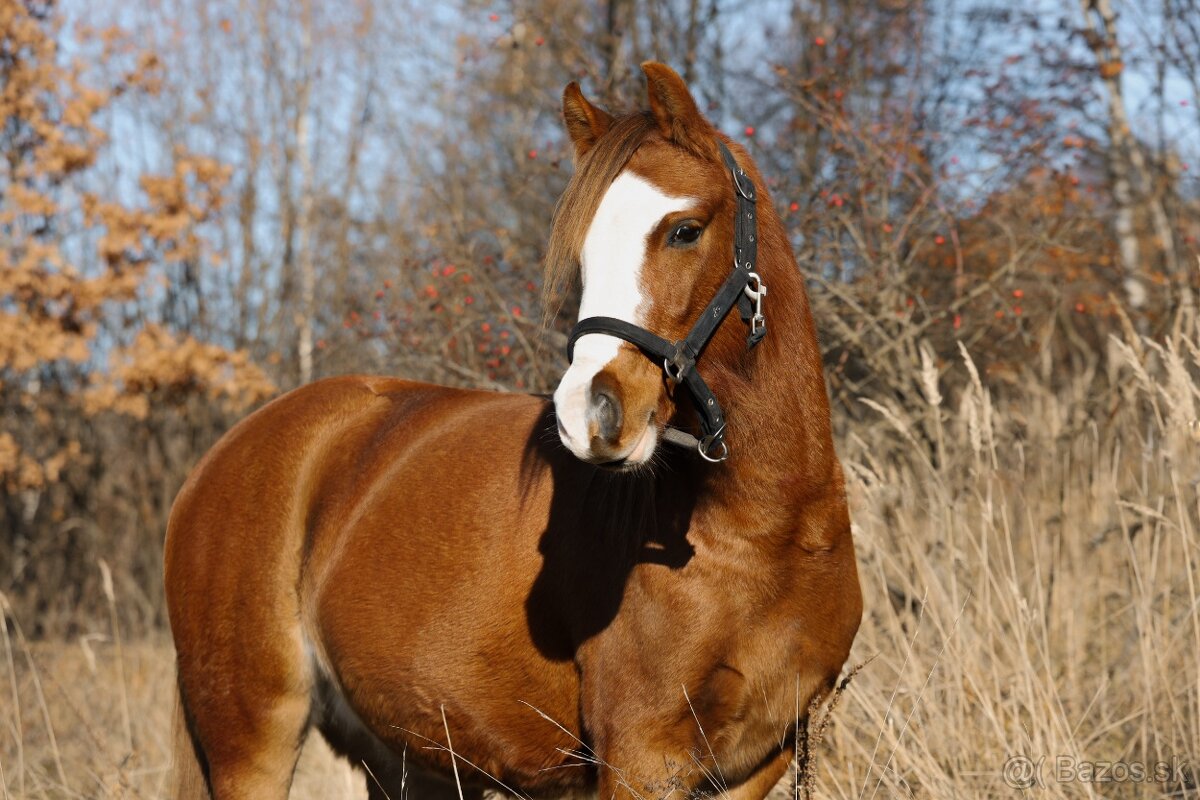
(754,693)
(737,675)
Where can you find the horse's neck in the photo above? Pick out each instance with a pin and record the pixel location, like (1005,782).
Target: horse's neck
(779,424)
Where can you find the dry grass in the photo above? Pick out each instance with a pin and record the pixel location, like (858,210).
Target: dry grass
(63,708)
(1031,573)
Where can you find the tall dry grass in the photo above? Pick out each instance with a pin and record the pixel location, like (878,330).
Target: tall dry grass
(1031,570)
(1030,563)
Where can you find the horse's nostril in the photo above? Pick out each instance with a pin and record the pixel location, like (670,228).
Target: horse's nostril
(608,414)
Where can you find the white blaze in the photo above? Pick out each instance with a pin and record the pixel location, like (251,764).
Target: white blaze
(614,252)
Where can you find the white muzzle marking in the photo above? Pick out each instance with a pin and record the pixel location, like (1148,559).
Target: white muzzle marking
(614,253)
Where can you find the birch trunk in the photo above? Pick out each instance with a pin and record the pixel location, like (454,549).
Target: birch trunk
(1127,163)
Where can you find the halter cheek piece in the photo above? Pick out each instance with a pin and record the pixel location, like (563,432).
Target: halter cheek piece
(743,287)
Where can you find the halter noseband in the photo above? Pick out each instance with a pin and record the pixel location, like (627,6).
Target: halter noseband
(743,286)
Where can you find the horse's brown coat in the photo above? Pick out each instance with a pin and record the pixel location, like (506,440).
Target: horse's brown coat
(389,560)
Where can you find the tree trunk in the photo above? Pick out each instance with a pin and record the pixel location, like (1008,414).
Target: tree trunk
(308,278)
(1127,163)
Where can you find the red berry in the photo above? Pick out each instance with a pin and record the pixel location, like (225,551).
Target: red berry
(1018,293)
(819,41)
(939,240)
(749,130)
(794,207)
(539,41)
(533,153)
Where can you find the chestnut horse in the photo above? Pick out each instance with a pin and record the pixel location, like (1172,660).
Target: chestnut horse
(465,590)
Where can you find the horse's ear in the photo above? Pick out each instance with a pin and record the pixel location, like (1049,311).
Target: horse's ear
(585,122)
(675,111)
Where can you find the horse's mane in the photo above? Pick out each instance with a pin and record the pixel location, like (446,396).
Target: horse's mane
(594,173)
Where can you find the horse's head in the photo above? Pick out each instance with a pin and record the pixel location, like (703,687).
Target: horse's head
(649,219)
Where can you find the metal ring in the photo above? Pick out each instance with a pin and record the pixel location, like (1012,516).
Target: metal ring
(704,444)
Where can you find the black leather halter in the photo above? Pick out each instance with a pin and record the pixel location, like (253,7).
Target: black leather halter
(743,287)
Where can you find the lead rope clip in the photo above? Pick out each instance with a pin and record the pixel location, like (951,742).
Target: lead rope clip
(756,290)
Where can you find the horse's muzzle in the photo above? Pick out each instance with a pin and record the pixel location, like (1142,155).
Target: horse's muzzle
(608,417)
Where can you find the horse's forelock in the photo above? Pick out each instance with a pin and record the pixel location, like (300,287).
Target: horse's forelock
(573,215)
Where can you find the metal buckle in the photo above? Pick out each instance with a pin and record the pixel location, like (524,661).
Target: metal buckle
(756,290)
(745,190)
(707,442)
(674,370)
(678,363)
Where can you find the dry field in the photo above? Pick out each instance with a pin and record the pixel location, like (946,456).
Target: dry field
(1032,580)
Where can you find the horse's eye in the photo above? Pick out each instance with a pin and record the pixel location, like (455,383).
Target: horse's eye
(685,233)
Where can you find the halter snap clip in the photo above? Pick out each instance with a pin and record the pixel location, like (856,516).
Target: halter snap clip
(756,290)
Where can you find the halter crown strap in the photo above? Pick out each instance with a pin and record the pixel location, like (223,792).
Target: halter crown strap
(679,358)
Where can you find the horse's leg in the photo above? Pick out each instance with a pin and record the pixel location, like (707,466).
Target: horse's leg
(676,778)
(638,772)
(254,738)
(416,784)
(246,681)
(762,780)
